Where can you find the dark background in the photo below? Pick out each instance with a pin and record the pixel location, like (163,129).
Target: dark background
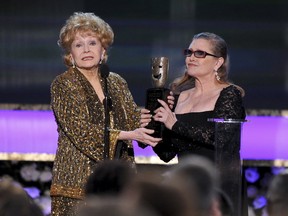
(256,32)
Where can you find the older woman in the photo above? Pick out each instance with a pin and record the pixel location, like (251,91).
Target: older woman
(77,102)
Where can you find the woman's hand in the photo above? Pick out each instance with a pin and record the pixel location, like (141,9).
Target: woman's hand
(145,117)
(143,135)
(170,100)
(165,115)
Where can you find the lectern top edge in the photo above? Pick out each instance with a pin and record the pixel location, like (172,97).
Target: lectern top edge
(222,120)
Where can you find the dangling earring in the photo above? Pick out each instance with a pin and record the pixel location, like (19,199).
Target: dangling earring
(102,57)
(217,76)
(73,63)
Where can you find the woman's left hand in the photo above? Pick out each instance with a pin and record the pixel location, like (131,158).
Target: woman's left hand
(145,117)
(165,115)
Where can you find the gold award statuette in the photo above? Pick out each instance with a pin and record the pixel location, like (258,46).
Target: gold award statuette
(160,67)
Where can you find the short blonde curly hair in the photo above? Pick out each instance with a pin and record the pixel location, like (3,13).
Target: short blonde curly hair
(88,24)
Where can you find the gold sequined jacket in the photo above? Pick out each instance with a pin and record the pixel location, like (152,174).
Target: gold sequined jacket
(80,116)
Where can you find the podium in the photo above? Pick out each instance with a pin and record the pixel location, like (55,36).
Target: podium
(229,163)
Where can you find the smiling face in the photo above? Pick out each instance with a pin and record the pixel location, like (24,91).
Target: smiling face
(86,51)
(200,67)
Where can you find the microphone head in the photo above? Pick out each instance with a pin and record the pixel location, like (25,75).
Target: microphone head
(104,70)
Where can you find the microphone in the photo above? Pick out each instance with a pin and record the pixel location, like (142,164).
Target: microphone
(116,154)
(104,70)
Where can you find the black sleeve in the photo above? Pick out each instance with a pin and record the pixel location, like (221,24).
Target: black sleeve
(165,149)
(230,104)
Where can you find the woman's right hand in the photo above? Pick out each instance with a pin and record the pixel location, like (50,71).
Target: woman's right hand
(143,135)
(171,100)
(165,115)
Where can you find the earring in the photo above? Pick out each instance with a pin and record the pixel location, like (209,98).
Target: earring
(73,63)
(217,76)
(102,57)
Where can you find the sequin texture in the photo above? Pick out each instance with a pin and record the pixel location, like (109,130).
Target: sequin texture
(80,119)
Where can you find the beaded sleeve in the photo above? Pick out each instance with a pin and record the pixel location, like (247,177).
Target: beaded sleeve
(80,118)
(72,116)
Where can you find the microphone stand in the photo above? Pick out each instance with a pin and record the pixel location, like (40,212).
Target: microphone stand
(108,107)
(107,121)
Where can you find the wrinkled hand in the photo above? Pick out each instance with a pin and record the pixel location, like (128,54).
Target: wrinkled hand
(143,135)
(165,115)
(145,117)
(171,100)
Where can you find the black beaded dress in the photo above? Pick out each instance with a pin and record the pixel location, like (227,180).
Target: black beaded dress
(194,134)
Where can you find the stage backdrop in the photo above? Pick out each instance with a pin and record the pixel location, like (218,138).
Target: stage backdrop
(256,33)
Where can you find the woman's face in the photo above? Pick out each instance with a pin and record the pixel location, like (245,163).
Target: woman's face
(201,67)
(86,51)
